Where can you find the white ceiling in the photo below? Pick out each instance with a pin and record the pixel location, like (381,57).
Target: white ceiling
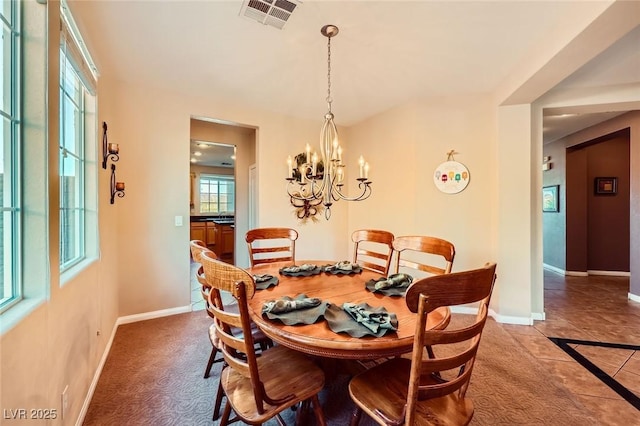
(206,153)
(387,52)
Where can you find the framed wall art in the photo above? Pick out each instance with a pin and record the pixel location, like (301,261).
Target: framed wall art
(605,186)
(550,201)
(451,177)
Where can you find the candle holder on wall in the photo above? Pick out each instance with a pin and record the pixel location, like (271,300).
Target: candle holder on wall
(117,188)
(109,150)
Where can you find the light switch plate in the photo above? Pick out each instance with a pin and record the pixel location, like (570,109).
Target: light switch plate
(178,220)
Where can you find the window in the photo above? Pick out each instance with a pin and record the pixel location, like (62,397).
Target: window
(72,163)
(10,288)
(77,156)
(217,194)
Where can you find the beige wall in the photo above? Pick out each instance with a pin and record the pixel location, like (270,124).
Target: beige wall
(404,146)
(62,341)
(157,124)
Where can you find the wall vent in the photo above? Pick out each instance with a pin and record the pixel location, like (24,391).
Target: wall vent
(274,13)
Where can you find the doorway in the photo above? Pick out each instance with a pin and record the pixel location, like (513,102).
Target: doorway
(235,145)
(589,234)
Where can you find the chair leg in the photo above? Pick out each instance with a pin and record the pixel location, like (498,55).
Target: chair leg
(317,409)
(302,413)
(219,395)
(212,359)
(355,417)
(225,415)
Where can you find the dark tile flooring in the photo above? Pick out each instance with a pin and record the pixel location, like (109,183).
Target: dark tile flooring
(597,320)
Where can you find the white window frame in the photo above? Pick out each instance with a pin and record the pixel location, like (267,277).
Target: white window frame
(84,236)
(72,200)
(208,179)
(11,171)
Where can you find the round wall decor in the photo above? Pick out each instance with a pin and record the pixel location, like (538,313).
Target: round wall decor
(451,177)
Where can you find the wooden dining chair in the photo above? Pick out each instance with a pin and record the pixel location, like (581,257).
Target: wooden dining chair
(431,255)
(425,390)
(268,245)
(258,388)
(373,249)
(259,338)
(197,247)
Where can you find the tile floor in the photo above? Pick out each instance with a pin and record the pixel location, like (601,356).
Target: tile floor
(197,302)
(593,309)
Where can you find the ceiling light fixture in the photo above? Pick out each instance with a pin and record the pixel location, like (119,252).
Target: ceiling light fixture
(311,182)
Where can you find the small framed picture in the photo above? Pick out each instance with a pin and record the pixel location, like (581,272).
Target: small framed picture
(550,199)
(605,186)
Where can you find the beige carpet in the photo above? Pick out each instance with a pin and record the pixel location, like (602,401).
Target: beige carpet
(153,376)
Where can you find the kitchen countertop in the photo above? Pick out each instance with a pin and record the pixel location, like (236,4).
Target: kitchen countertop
(218,220)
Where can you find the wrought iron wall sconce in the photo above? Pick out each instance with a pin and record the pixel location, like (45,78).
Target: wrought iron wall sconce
(117,188)
(109,150)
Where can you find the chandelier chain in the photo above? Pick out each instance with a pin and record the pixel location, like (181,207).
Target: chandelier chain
(329,100)
(315,183)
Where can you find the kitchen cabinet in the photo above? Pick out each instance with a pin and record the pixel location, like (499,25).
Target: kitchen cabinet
(220,238)
(198,231)
(225,242)
(212,238)
(204,231)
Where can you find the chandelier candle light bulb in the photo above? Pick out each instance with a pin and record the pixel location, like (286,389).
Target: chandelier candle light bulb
(325,183)
(290,167)
(314,161)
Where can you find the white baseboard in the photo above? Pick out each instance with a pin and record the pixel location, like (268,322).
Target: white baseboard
(538,316)
(587,273)
(506,319)
(122,320)
(634,297)
(464,310)
(499,318)
(151,315)
(610,273)
(553,269)
(96,377)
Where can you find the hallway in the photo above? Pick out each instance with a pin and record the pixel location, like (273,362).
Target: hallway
(596,311)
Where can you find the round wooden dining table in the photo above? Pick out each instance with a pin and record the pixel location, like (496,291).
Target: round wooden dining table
(318,339)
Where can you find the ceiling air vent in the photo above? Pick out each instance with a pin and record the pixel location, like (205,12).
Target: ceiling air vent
(274,13)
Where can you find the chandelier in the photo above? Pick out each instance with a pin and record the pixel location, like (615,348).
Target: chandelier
(311,182)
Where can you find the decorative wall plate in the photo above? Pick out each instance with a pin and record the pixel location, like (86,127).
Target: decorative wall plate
(451,177)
